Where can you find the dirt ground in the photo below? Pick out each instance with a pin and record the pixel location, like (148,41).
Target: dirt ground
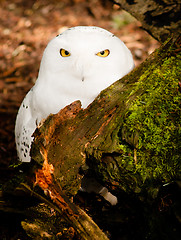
(25,29)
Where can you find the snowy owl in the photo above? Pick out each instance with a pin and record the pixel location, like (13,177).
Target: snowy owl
(76,65)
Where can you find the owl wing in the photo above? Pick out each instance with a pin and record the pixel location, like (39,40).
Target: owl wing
(24,128)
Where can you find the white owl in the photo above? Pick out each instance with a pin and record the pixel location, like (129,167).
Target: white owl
(76,65)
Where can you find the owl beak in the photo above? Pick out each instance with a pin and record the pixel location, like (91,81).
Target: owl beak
(79,66)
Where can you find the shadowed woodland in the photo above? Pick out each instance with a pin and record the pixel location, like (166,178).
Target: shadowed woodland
(145,210)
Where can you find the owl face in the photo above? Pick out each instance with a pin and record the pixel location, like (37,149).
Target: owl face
(82,61)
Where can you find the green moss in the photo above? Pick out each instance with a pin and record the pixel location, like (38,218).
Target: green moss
(152,125)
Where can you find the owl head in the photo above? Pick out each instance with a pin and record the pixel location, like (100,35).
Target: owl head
(82,61)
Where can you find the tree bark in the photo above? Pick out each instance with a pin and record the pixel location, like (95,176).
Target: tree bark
(161,19)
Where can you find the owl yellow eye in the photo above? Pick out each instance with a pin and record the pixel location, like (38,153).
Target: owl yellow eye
(104,53)
(64,53)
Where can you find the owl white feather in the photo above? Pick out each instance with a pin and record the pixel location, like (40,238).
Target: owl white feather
(76,65)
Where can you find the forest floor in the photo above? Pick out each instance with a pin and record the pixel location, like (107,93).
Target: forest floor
(26,27)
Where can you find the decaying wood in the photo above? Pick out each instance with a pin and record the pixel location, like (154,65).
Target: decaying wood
(159,18)
(80,225)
